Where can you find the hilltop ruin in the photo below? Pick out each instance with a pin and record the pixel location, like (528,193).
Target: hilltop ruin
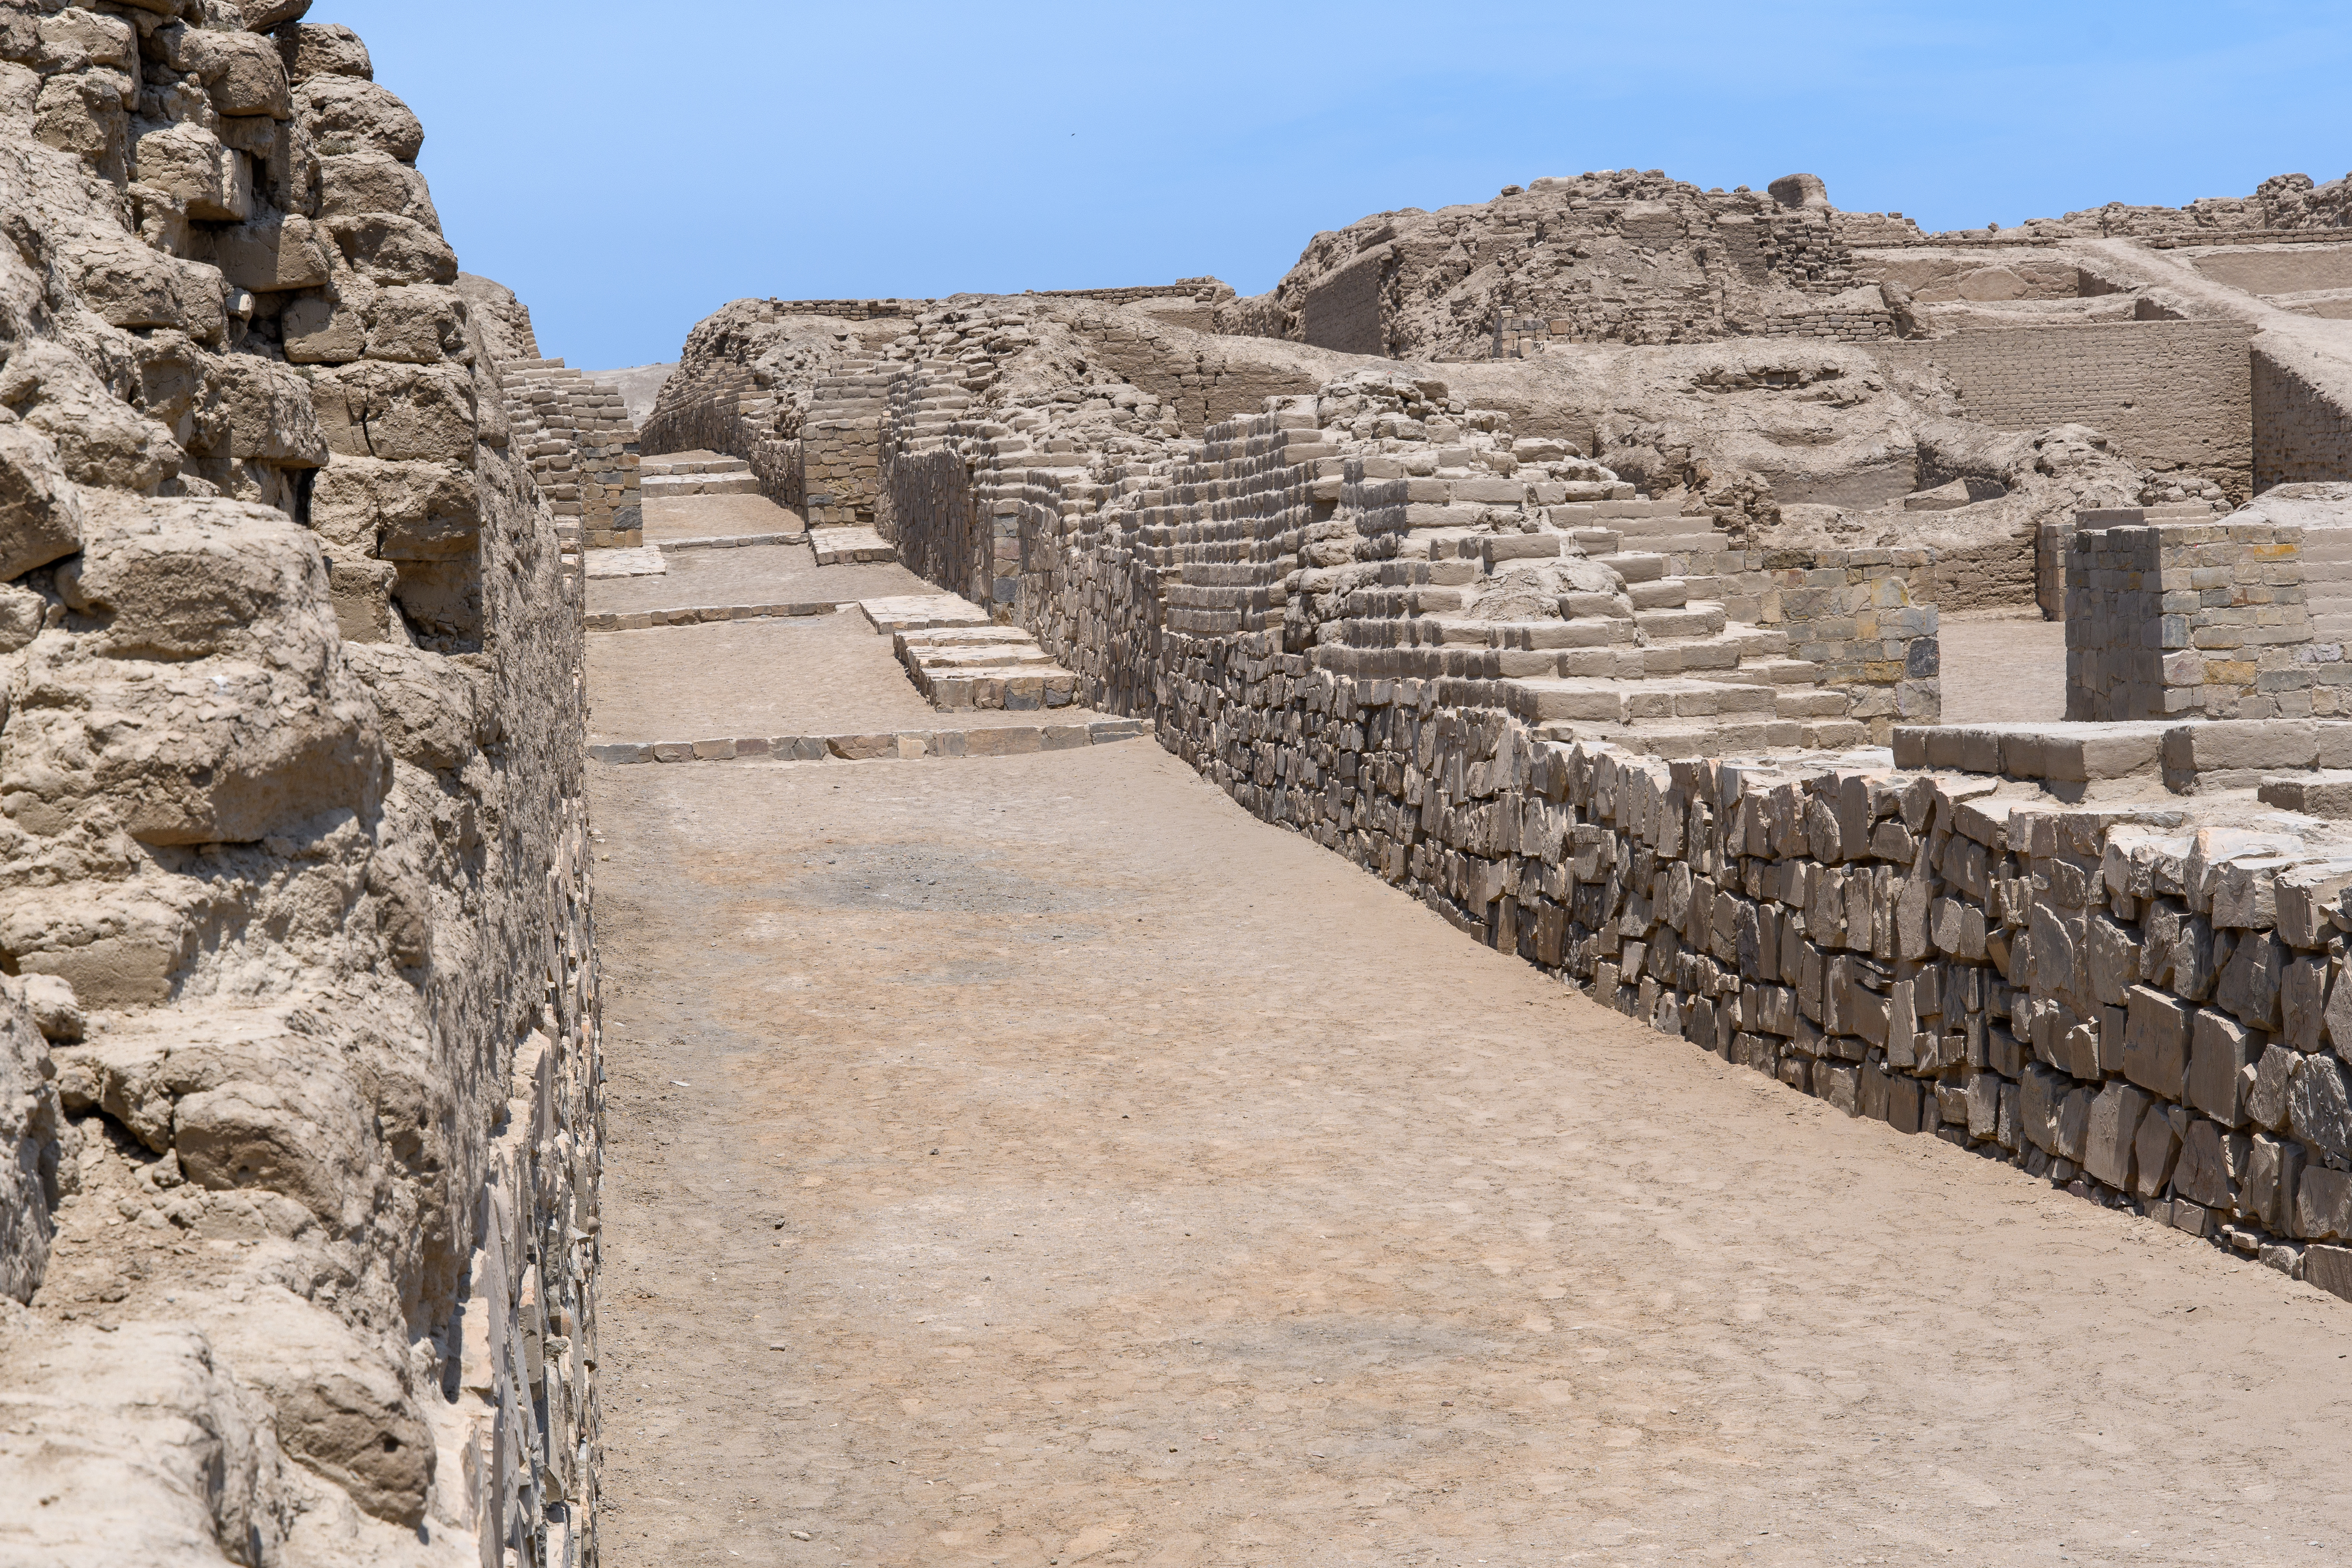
(1575,561)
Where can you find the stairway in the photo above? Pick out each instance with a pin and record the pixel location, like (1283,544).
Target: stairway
(678,475)
(1655,668)
(960,660)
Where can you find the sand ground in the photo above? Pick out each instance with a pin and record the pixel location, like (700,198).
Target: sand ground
(2003,666)
(1036,1160)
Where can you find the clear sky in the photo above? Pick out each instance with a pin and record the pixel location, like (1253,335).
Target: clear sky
(628,168)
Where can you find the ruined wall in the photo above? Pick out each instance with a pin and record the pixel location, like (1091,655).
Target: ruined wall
(582,448)
(2197,620)
(294,875)
(2302,415)
(1619,255)
(2172,394)
(2132,999)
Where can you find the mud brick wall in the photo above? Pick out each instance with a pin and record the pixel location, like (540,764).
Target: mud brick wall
(1834,326)
(2196,619)
(582,448)
(2302,415)
(2173,395)
(841,465)
(300,1235)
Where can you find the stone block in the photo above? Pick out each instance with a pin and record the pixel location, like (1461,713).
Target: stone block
(1003,741)
(2155,1148)
(2319,1104)
(2329,1269)
(2221,1053)
(2211,1162)
(2156,1041)
(2112,1124)
(2322,1205)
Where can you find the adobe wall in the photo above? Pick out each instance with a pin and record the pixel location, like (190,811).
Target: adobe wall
(2172,394)
(2302,414)
(582,451)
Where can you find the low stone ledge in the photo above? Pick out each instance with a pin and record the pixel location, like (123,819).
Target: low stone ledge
(699,615)
(987,740)
(734,541)
(2186,756)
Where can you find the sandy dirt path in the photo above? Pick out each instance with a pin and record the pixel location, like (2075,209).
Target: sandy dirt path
(1036,1161)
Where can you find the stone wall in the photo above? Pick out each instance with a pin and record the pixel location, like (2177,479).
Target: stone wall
(2302,404)
(2202,620)
(582,451)
(1964,938)
(2171,394)
(295,887)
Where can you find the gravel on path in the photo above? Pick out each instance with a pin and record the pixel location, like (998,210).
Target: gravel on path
(1032,1160)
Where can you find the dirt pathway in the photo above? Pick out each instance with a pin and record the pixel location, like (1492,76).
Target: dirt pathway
(1036,1160)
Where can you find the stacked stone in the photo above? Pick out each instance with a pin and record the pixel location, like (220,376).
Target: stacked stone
(2130,1000)
(840,445)
(2114,998)
(2203,620)
(582,451)
(1834,326)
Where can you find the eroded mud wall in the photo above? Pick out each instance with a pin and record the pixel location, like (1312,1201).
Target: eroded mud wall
(294,875)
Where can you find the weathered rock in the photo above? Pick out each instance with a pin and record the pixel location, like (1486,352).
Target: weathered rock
(40,517)
(397,511)
(241,70)
(101,441)
(311,48)
(352,114)
(29,1127)
(399,413)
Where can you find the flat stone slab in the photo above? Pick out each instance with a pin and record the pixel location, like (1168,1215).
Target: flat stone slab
(922,612)
(994,740)
(843,546)
(735,541)
(644,561)
(699,615)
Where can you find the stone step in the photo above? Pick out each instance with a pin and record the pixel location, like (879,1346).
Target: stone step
(671,486)
(972,660)
(1810,702)
(1699,619)
(1659,594)
(1768,671)
(844,546)
(1636,565)
(1677,738)
(1540,701)
(911,612)
(670,465)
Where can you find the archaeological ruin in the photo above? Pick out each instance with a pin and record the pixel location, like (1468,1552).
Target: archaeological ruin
(1911,666)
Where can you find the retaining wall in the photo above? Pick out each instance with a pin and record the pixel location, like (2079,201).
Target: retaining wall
(2302,414)
(2130,999)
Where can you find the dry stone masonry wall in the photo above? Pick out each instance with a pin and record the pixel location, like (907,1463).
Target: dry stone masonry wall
(1377,617)
(582,448)
(298,1055)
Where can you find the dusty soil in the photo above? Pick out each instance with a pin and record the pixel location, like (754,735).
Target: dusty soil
(1038,1161)
(752,575)
(787,675)
(2003,666)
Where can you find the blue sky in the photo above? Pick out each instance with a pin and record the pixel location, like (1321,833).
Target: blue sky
(628,168)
